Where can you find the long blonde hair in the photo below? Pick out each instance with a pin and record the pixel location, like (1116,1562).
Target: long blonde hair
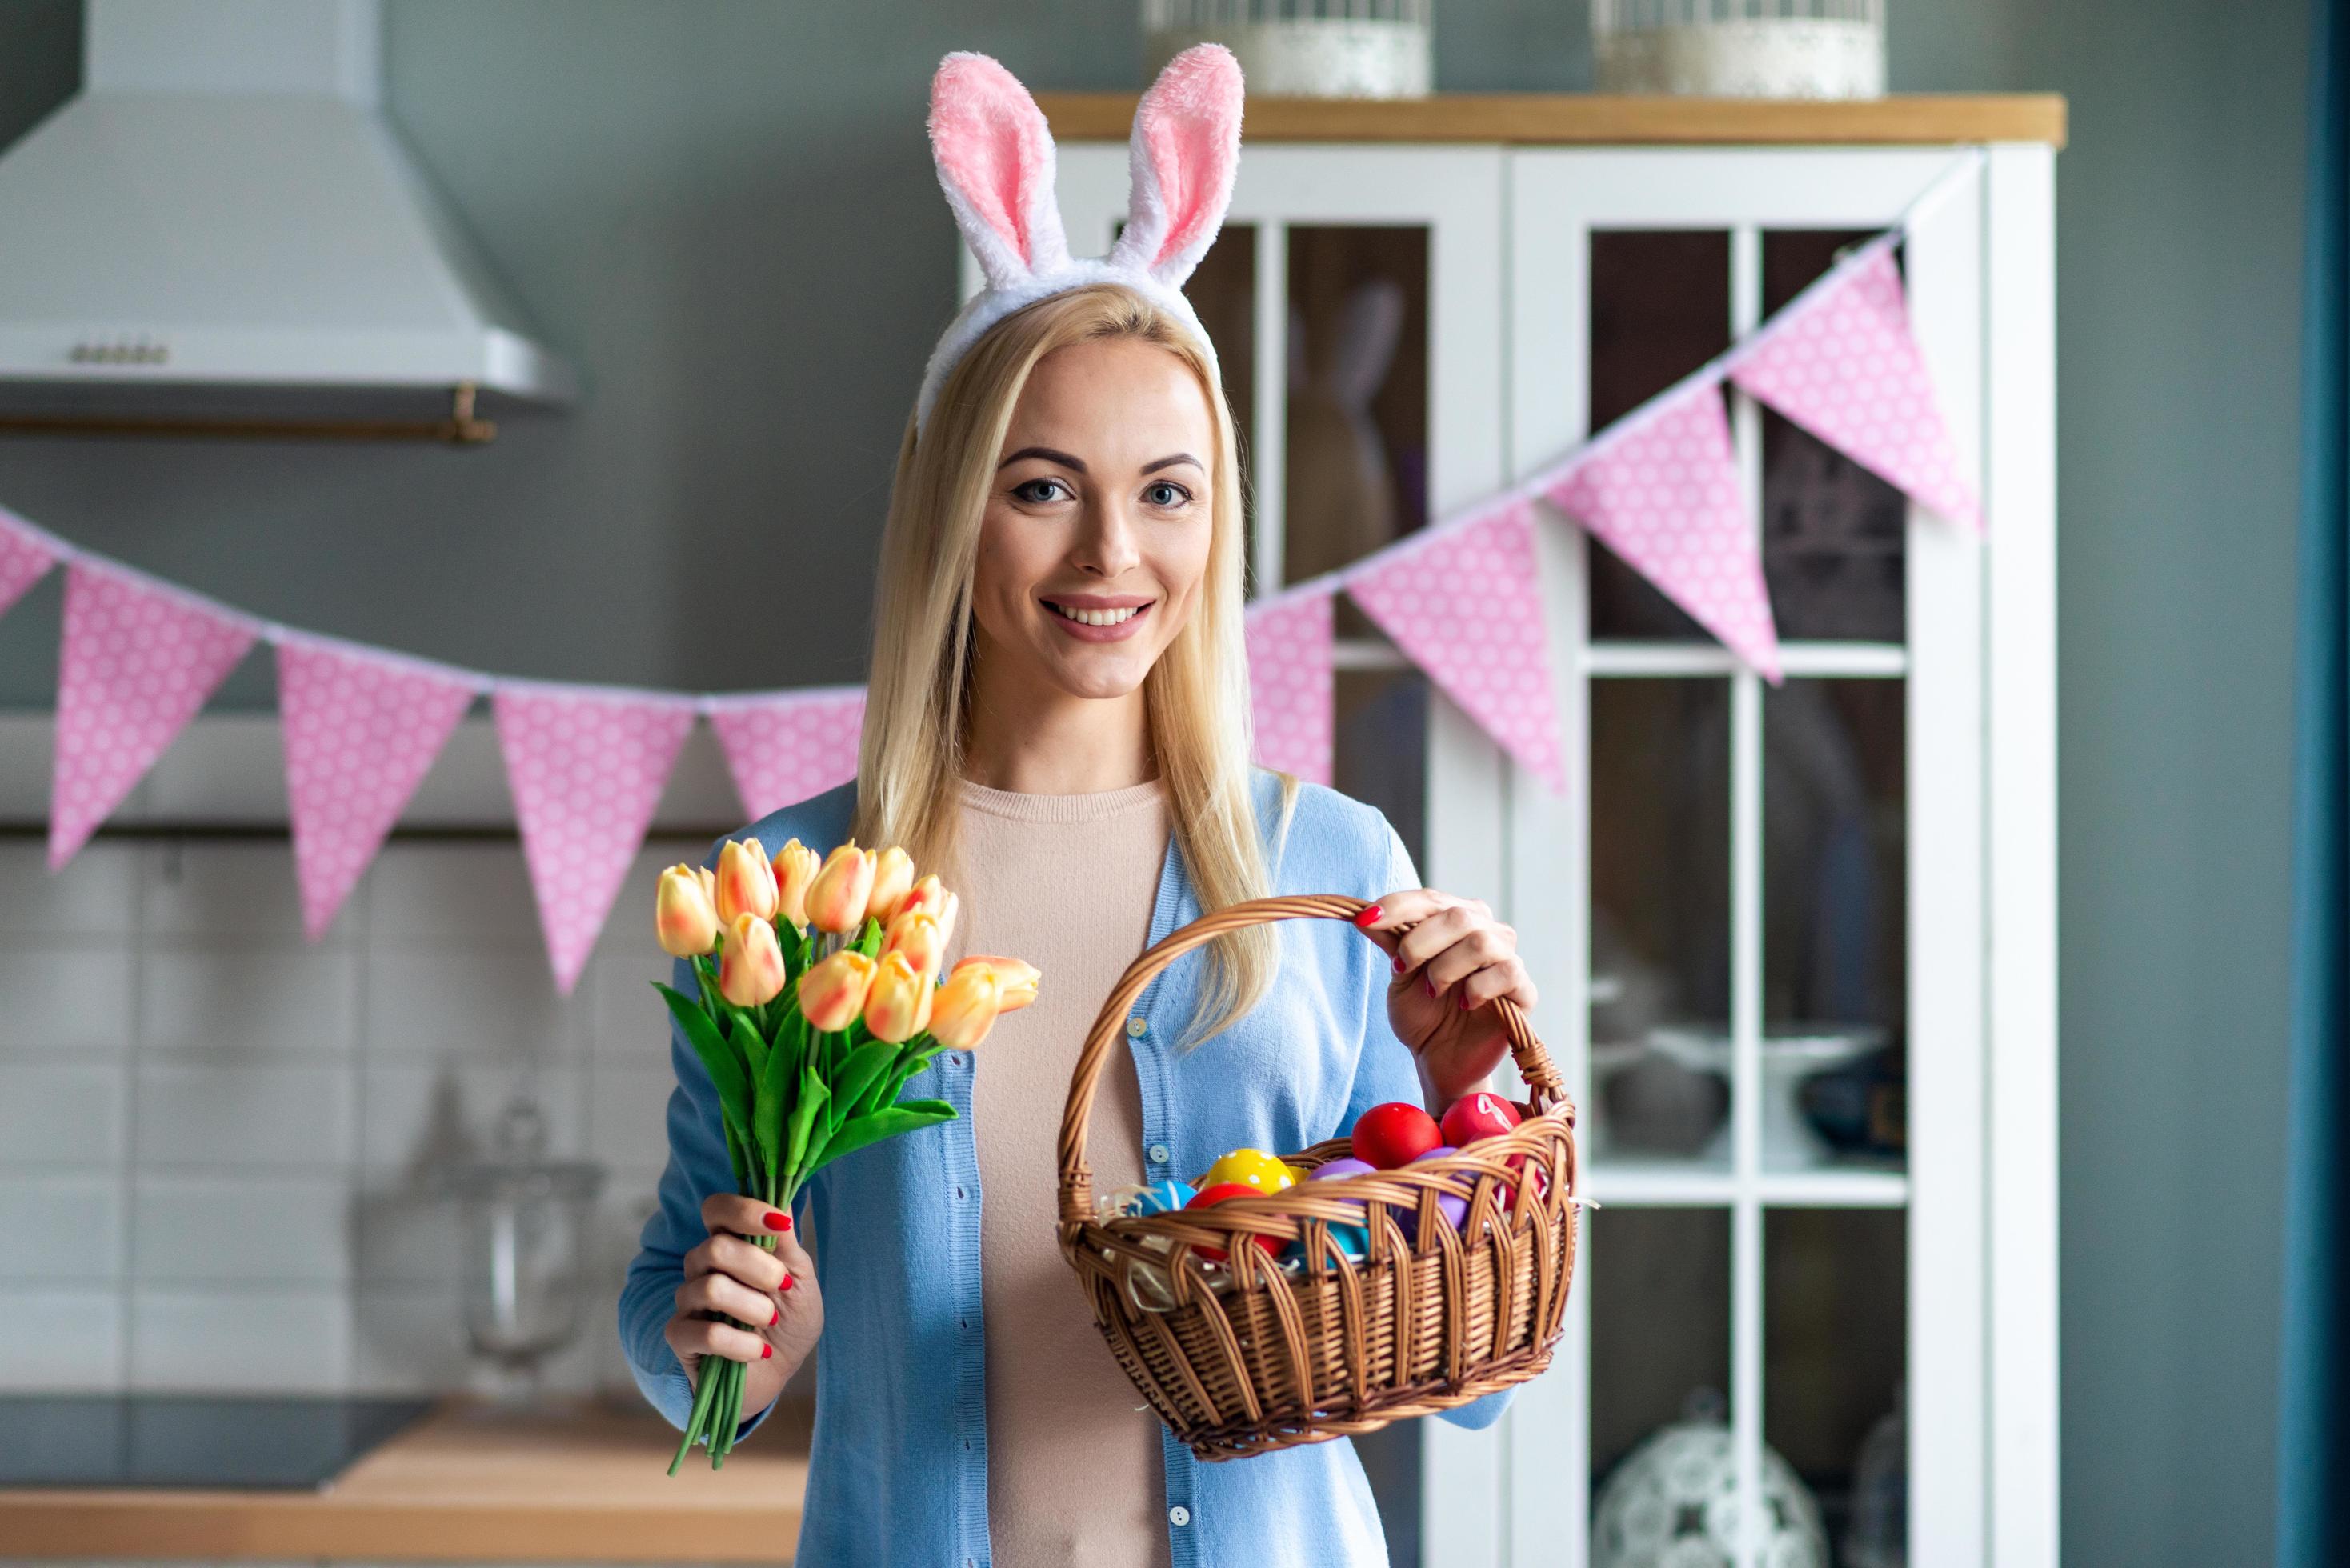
(1195,698)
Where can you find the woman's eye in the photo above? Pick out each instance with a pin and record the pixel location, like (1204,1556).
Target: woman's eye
(1166,494)
(1033,491)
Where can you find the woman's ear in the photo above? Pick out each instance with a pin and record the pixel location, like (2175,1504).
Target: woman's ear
(1185,146)
(994,155)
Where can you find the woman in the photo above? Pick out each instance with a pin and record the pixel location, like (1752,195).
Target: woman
(1056,719)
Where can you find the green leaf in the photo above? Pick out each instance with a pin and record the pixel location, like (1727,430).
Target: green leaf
(867,1066)
(869,941)
(863,1131)
(813,1095)
(767,1115)
(718,1058)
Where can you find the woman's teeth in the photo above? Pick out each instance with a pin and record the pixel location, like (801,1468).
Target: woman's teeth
(1097,616)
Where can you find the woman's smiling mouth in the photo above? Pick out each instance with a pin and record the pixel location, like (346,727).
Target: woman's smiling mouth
(1092,618)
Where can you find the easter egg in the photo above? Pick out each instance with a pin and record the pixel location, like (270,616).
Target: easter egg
(1533,1184)
(1208,1197)
(1396,1133)
(1351,1239)
(1325,1171)
(1453,1209)
(1472,1116)
(1338,1168)
(1250,1167)
(1163,1196)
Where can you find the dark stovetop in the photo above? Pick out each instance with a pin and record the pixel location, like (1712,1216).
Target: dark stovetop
(190,1439)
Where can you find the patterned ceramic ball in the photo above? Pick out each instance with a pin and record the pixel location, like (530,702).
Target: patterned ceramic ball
(1250,1168)
(1210,1196)
(1394,1134)
(1472,1116)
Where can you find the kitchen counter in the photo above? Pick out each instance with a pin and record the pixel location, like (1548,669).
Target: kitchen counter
(575,1483)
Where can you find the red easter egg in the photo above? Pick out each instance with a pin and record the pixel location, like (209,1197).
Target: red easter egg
(1472,1116)
(1394,1134)
(1217,1194)
(1537,1179)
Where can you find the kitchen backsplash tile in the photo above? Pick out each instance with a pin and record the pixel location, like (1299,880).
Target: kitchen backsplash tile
(58,1112)
(219,1143)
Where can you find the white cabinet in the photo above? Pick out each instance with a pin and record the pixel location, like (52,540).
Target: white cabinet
(1795,944)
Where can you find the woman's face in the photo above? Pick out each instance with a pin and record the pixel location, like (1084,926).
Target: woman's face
(1095,542)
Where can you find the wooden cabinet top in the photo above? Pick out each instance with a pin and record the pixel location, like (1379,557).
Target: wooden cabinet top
(1595,119)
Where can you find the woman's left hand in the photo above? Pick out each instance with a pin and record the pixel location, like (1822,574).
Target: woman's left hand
(1450,957)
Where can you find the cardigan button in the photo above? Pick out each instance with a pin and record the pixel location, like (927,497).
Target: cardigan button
(1137,1027)
(1179,1515)
(1160,1153)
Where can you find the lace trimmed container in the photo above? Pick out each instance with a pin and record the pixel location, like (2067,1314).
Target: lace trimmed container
(1740,48)
(1303,48)
(1386,1305)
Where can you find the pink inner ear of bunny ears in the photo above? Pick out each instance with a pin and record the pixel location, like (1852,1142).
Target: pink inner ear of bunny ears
(1188,121)
(990,140)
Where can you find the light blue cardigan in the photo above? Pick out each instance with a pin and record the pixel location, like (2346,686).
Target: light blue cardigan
(898,1474)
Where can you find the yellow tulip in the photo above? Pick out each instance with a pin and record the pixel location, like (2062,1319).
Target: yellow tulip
(746,883)
(709,880)
(931,895)
(683,916)
(833,990)
(751,969)
(893,874)
(1016,976)
(916,935)
(966,1006)
(843,885)
(899,1004)
(795,867)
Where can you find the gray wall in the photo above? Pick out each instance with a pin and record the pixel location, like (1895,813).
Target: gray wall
(726,212)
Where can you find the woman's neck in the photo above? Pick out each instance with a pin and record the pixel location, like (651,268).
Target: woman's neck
(1034,741)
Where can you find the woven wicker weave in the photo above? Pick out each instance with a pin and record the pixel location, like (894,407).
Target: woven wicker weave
(1244,1357)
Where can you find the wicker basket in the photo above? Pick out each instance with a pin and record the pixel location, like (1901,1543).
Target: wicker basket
(1251,1356)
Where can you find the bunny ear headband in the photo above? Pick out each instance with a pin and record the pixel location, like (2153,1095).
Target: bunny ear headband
(994,155)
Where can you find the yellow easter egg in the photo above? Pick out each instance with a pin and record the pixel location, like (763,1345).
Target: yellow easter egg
(1250,1167)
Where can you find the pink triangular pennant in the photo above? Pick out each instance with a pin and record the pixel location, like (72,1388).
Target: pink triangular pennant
(1664,496)
(1291,683)
(133,667)
(1465,605)
(361,734)
(782,749)
(587,769)
(24,561)
(1843,365)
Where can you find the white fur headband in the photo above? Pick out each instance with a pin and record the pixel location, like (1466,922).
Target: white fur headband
(994,155)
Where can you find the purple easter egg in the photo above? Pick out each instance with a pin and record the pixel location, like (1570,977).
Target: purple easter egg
(1454,1209)
(1341,1167)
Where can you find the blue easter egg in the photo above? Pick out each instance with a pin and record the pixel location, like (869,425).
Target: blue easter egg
(1165,1197)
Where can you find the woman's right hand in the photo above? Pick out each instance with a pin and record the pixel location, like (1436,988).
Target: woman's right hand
(776,1292)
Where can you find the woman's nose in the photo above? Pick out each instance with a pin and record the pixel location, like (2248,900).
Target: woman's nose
(1108,548)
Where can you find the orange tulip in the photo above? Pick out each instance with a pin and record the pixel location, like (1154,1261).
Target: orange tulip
(683,916)
(893,874)
(929,894)
(746,883)
(795,867)
(1017,977)
(833,990)
(751,969)
(916,934)
(899,1004)
(966,1006)
(843,886)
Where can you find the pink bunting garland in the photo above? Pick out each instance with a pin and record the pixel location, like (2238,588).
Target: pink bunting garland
(361,734)
(782,750)
(1291,680)
(135,665)
(587,771)
(1842,363)
(1464,604)
(1664,496)
(24,561)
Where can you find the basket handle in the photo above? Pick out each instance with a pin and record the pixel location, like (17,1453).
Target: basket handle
(1533,1062)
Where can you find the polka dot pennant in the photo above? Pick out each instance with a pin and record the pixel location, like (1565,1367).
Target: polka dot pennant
(1843,365)
(134,666)
(1291,684)
(24,561)
(587,769)
(361,734)
(1664,496)
(782,749)
(1465,607)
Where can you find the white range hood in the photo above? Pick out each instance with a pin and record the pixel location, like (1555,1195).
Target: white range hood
(224,231)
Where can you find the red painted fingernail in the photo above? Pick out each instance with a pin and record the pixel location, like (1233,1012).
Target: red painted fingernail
(1429,983)
(1398,963)
(1464,999)
(1365,916)
(765,1351)
(786,1285)
(777,1318)
(775,1220)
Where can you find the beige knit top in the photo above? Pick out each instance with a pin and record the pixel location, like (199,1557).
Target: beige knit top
(1067,882)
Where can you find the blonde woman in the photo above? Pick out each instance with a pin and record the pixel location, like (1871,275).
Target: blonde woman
(1058,717)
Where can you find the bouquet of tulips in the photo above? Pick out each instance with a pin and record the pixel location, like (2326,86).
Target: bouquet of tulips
(820,996)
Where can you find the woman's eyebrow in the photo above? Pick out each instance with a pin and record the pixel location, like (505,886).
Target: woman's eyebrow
(1172,462)
(1047,453)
